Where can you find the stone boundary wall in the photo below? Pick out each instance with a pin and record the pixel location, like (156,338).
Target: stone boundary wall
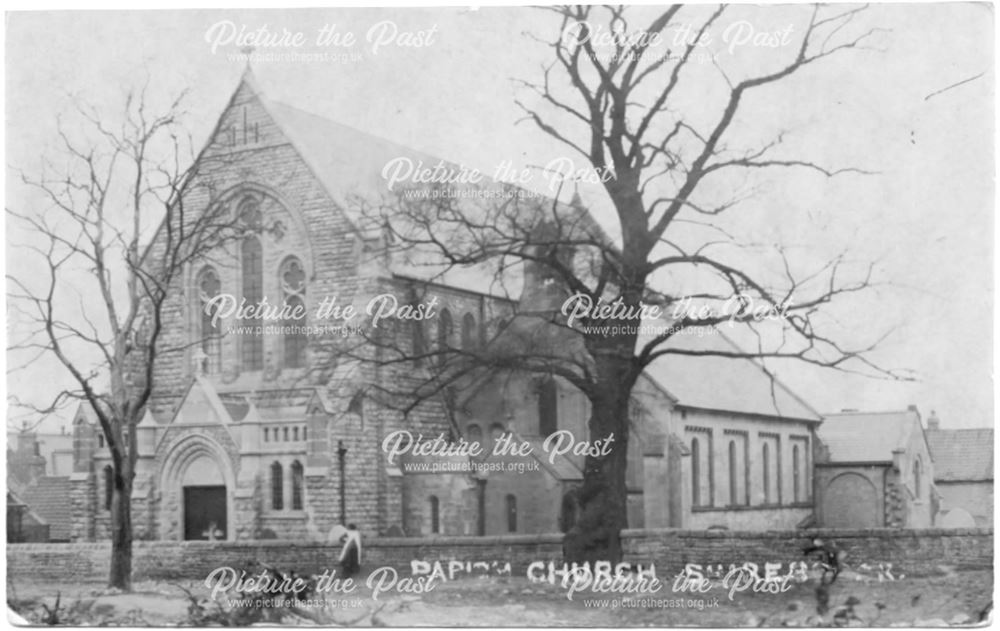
(915,552)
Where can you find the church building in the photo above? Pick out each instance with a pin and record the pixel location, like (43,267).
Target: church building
(258,432)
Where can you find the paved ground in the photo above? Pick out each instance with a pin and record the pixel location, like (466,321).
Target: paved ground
(948,598)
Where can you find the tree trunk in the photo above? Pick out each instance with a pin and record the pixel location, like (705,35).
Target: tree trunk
(121,533)
(596,536)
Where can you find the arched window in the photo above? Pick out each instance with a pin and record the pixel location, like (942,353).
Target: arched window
(208,288)
(419,342)
(569,511)
(469,338)
(293,289)
(733,476)
(474,433)
(511,503)
(796,476)
(295,434)
(305,433)
(435,515)
(296,485)
(766,459)
(916,477)
(277,487)
(284,434)
(548,408)
(252,346)
(444,333)
(267,435)
(109,486)
(695,472)
(496,431)
(100,439)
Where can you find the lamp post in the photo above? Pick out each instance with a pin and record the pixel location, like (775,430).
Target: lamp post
(341,459)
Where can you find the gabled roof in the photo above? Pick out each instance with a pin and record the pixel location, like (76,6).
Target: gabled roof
(961,455)
(725,384)
(867,436)
(349,164)
(49,499)
(201,404)
(345,160)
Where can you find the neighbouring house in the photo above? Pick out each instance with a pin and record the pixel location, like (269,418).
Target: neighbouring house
(39,511)
(32,454)
(963,474)
(874,470)
(23,524)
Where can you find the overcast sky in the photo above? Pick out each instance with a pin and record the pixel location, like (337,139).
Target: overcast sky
(926,215)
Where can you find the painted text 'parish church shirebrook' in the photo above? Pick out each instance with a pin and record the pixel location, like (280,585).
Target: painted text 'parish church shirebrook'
(244,441)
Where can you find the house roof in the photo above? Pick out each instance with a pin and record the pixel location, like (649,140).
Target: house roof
(49,499)
(725,384)
(867,436)
(961,455)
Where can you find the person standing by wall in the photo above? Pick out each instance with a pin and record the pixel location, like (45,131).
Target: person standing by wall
(350,554)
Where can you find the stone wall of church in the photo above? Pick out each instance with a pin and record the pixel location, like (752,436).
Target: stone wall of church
(81,499)
(301,220)
(730,457)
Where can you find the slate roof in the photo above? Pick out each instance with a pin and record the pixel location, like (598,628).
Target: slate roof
(867,436)
(349,162)
(723,383)
(49,499)
(961,455)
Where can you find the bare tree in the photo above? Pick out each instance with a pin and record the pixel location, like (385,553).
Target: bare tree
(108,228)
(663,162)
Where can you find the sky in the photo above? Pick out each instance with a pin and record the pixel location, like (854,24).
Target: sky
(924,214)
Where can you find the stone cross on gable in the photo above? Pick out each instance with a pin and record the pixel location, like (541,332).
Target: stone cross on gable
(248,51)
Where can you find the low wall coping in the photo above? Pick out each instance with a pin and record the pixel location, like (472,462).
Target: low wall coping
(832,533)
(536,539)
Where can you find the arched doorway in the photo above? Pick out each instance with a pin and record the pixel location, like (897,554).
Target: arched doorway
(204,500)
(198,484)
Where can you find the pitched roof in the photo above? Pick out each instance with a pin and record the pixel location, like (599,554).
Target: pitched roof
(349,163)
(961,455)
(49,499)
(725,384)
(867,436)
(345,160)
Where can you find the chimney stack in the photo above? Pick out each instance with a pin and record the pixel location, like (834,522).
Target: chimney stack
(933,422)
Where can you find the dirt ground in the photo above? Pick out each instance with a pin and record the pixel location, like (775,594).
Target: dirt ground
(950,598)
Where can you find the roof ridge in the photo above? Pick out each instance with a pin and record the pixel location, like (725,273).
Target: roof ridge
(866,413)
(269,101)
